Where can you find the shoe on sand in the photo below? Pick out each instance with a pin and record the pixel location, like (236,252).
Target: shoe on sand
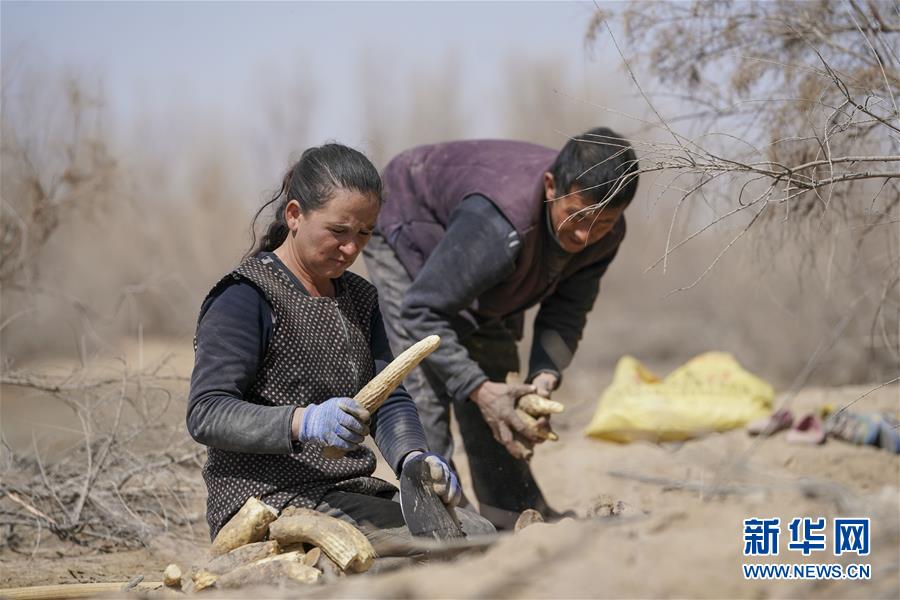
(808,430)
(777,421)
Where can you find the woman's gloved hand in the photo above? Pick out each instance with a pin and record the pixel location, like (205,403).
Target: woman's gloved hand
(337,422)
(444,480)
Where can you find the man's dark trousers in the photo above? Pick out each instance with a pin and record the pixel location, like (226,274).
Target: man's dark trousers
(504,485)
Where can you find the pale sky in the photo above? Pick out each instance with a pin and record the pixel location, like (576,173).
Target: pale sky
(215,54)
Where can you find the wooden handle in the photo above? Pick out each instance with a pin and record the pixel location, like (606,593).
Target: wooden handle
(374,393)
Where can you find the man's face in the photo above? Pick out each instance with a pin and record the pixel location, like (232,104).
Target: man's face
(574,219)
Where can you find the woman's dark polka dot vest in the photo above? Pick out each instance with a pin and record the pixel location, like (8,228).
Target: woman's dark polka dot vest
(320,348)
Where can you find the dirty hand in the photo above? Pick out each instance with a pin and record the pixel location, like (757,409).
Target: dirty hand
(338,423)
(443,479)
(544,384)
(497,402)
(535,411)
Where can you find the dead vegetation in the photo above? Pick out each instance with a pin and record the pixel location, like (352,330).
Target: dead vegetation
(100,481)
(78,462)
(781,120)
(42,183)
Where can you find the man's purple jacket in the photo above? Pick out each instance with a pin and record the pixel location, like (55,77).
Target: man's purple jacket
(468,222)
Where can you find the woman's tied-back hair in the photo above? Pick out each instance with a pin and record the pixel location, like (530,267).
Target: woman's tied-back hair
(600,164)
(312,182)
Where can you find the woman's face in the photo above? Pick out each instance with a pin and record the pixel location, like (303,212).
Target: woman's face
(327,240)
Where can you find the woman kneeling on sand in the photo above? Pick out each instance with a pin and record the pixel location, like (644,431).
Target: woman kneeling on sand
(284,342)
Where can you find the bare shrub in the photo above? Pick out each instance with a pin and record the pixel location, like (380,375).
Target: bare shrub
(87,455)
(104,237)
(780,119)
(92,461)
(47,178)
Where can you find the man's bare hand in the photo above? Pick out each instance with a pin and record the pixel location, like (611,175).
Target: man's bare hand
(497,402)
(544,384)
(535,411)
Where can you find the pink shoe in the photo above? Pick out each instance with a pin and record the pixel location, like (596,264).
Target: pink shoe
(808,430)
(779,420)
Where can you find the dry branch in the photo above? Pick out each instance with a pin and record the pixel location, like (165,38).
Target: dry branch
(87,492)
(780,113)
(808,91)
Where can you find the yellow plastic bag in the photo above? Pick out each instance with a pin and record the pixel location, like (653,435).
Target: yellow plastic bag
(711,392)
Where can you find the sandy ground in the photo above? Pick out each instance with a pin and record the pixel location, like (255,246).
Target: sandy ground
(652,520)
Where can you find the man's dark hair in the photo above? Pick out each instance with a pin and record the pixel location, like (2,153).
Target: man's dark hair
(600,164)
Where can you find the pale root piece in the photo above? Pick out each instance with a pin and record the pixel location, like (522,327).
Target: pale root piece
(249,525)
(380,387)
(341,541)
(242,556)
(293,556)
(291,511)
(330,571)
(538,406)
(201,580)
(270,571)
(528,517)
(545,433)
(312,557)
(374,393)
(172,576)
(239,557)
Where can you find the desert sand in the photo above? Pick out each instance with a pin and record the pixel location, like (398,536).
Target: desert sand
(652,520)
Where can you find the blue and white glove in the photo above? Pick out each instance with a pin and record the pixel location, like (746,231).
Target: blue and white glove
(444,480)
(337,422)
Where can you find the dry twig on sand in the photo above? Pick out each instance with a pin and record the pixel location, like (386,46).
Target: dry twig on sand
(89,491)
